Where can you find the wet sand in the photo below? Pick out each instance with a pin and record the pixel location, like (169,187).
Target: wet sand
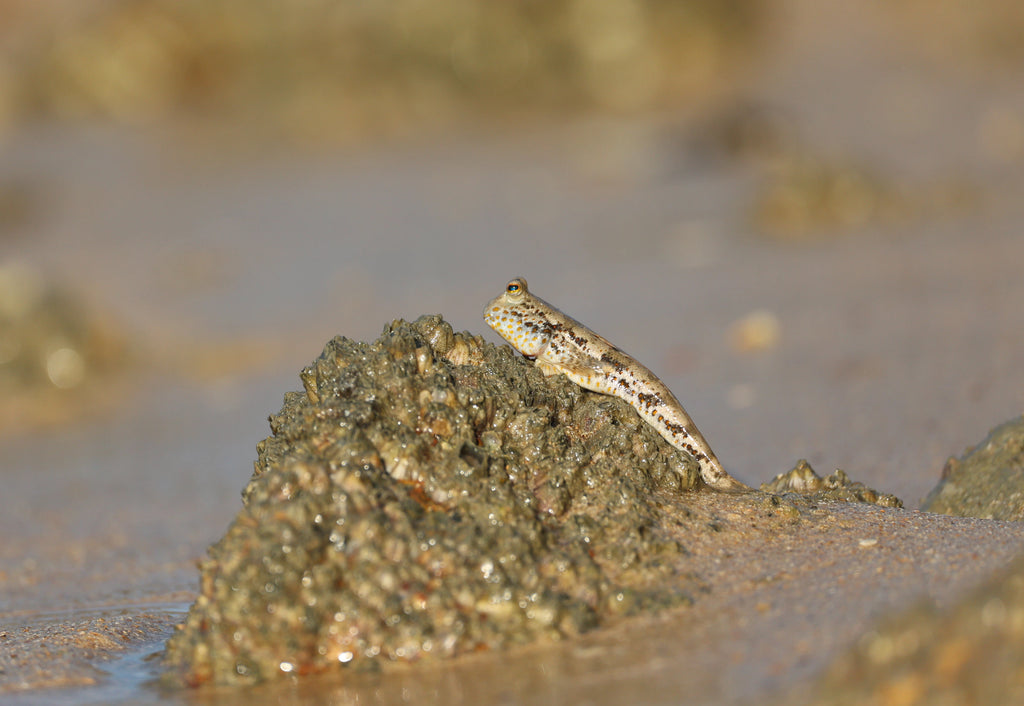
(899,344)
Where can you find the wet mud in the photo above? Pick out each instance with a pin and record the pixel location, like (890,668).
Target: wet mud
(970,652)
(868,205)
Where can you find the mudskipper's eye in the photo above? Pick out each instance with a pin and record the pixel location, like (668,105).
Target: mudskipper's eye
(516,286)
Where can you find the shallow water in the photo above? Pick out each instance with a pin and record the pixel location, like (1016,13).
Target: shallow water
(125,677)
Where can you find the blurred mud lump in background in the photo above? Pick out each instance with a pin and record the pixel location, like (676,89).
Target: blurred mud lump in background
(338,71)
(57,357)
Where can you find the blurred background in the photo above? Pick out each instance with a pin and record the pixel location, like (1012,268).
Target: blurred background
(804,215)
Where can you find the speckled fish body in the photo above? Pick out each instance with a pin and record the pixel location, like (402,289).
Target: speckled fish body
(560,344)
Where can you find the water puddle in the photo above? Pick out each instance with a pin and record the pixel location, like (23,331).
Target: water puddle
(128,676)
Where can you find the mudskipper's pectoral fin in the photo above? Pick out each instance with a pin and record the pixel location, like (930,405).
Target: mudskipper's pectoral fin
(725,483)
(547,368)
(575,365)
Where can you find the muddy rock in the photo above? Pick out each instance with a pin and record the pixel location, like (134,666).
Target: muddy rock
(429,494)
(987,481)
(804,481)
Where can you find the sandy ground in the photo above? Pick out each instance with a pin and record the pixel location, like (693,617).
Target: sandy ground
(899,343)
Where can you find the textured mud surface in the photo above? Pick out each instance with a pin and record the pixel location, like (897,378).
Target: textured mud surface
(987,481)
(428,495)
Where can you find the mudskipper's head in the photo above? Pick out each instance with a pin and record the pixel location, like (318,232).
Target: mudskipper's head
(515,315)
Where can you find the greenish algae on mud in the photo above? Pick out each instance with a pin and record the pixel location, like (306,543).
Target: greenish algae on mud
(987,481)
(430,494)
